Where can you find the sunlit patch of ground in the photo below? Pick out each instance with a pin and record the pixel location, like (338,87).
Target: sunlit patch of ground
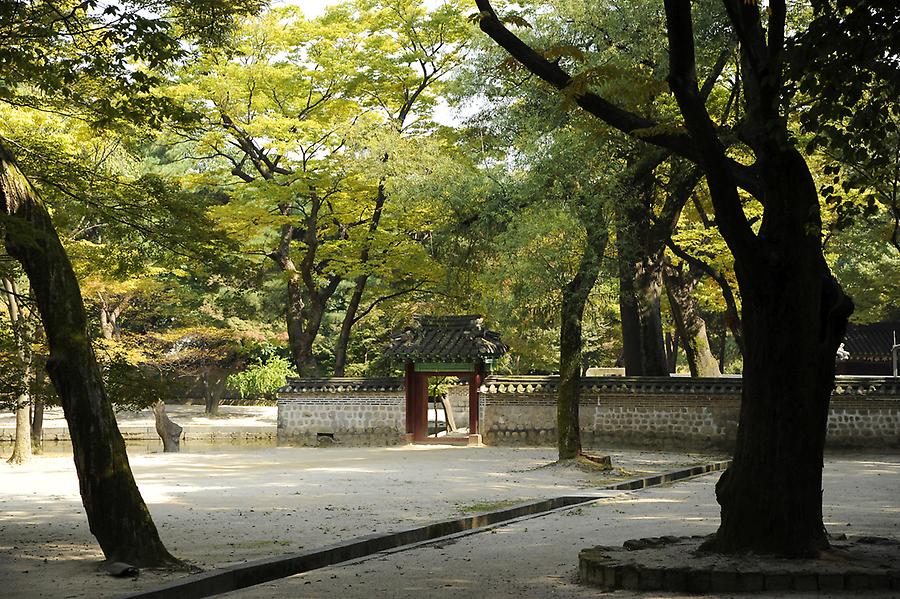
(227,504)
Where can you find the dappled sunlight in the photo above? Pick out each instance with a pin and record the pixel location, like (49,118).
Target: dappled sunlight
(641,500)
(348,469)
(158,493)
(667,518)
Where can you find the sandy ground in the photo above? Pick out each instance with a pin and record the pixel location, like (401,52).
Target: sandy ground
(537,557)
(220,504)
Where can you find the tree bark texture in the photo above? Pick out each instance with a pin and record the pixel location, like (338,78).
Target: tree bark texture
(168,431)
(574,299)
(37,425)
(22,445)
(680,283)
(794,311)
(116,513)
(213,388)
(640,286)
(795,316)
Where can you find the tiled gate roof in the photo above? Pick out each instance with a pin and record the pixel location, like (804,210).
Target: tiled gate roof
(446,339)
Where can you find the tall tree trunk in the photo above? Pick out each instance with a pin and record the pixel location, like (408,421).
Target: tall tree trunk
(795,316)
(574,299)
(294,316)
(691,327)
(117,515)
(672,351)
(307,300)
(640,281)
(640,287)
(313,312)
(37,425)
(359,287)
(22,446)
(343,340)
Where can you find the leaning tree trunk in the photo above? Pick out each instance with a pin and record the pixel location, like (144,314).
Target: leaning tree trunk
(343,340)
(117,515)
(359,287)
(795,316)
(690,325)
(574,299)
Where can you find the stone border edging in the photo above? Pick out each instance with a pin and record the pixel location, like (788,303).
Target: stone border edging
(649,565)
(232,578)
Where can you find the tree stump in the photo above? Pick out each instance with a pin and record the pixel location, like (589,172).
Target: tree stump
(168,431)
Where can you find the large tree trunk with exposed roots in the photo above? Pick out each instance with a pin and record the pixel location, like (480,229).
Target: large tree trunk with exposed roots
(117,515)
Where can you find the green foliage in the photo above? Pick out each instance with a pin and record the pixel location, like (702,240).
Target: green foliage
(854,120)
(263,376)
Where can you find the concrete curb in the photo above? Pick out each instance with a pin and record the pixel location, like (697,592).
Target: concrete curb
(224,580)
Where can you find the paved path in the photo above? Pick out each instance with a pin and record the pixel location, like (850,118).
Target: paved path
(537,557)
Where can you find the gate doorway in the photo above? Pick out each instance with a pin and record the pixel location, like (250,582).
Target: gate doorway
(430,414)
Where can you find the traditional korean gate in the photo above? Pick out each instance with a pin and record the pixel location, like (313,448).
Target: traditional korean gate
(457,346)
(417,399)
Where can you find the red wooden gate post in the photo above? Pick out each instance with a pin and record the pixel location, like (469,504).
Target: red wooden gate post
(422,406)
(409,391)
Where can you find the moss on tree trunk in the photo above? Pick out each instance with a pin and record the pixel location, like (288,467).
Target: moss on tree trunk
(117,515)
(574,299)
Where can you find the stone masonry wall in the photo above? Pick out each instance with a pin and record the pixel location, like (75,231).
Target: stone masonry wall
(345,411)
(673,412)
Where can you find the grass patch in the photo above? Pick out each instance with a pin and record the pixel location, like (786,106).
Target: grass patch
(487,506)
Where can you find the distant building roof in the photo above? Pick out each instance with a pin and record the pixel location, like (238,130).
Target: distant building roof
(871,342)
(446,339)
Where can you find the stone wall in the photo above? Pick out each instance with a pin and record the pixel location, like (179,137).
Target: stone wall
(346,411)
(648,412)
(668,412)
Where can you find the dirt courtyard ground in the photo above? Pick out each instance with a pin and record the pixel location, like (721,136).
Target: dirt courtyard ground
(537,558)
(221,504)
